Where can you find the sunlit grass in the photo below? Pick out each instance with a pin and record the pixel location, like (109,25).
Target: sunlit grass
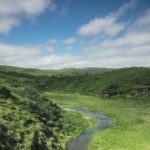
(131,120)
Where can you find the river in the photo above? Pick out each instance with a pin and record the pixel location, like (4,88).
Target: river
(82,141)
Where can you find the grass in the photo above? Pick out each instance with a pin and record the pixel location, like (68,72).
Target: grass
(31,121)
(131,120)
(74,124)
(65,71)
(84,81)
(14,120)
(125,80)
(22,103)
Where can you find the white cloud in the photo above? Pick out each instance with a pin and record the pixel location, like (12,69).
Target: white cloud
(39,56)
(16,55)
(53,41)
(6,24)
(12,11)
(129,49)
(69,41)
(101,26)
(125,7)
(142,24)
(129,39)
(55,61)
(106,25)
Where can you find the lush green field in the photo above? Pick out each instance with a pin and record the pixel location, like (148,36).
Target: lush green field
(131,120)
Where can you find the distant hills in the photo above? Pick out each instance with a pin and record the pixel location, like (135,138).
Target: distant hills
(128,82)
(64,71)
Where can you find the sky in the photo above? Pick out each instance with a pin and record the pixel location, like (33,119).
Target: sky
(55,34)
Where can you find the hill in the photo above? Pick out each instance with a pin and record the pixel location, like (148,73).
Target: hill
(127,81)
(65,71)
(28,119)
(105,82)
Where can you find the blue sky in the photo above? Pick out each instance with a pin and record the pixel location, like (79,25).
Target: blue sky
(53,34)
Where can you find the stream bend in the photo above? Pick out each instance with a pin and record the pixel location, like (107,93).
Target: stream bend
(82,141)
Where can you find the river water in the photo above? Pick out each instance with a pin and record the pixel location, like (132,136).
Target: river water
(82,141)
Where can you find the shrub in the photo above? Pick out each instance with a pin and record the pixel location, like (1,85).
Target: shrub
(39,142)
(5,93)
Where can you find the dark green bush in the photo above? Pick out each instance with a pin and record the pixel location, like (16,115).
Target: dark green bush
(39,142)
(5,92)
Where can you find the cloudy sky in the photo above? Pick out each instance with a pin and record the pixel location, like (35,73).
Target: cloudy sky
(54,34)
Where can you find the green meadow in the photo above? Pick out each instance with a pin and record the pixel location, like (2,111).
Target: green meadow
(131,120)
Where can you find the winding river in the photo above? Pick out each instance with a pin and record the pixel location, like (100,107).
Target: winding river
(82,141)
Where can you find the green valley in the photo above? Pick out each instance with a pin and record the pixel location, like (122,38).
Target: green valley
(32,114)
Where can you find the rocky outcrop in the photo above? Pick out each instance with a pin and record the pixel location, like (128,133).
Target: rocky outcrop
(113,90)
(110,90)
(139,92)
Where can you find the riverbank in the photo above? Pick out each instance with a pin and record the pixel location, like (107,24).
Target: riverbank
(75,124)
(131,120)
(82,141)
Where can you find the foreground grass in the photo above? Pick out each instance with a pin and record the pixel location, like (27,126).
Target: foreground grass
(131,121)
(17,126)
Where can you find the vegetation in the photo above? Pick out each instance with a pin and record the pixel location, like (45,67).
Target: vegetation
(65,71)
(34,122)
(21,119)
(5,93)
(128,81)
(31,119)
(131,119)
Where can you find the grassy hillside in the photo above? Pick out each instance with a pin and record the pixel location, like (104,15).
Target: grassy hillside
(65,71)
(126,82)
(25,117)
(131,120)
(30,120)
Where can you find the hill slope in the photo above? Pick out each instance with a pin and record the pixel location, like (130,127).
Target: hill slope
(65,71)
(126,81)
(29,120)
(122,81)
